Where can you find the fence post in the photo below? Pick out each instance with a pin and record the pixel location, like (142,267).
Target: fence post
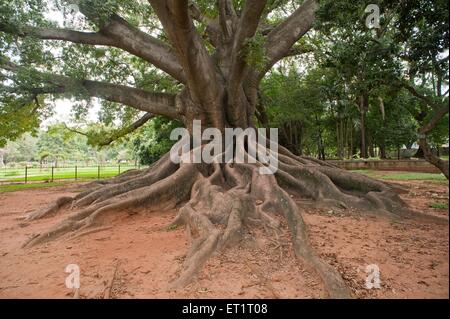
(119,169)
(76,172)
(26,173)
(98,174)
(53,168)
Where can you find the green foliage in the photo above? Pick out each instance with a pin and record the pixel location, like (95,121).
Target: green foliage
(154,140)
(398,127)
(19,187)
(318,90)
(17,116)
(254,52)
(57,144)
(439,205)
(404,176)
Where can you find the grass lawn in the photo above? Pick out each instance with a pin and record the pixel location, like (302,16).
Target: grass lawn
(45,174)
(91,173)
(439,205)
(404,176)
(19,187)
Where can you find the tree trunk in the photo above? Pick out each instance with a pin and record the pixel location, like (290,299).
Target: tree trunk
(350,149)
(2,162)
(300,140)
(363,107)
(370,145)
(383,149)
(420,153)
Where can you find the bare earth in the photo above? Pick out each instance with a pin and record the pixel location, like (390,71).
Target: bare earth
(145,255)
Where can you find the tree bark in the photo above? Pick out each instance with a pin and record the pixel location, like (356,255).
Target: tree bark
(363,107)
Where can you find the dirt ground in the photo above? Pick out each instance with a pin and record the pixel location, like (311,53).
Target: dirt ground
(145,255)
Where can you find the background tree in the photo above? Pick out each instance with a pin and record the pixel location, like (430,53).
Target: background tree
(408,52)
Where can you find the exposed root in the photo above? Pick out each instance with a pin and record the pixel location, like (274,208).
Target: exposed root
(90,231)
(219,201)
(166,193)
(50,210)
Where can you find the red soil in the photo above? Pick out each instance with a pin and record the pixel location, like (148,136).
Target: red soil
(412,256)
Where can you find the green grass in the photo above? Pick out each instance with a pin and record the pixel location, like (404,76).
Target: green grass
(439,205)
(19,187)
(404,176)
(45,174)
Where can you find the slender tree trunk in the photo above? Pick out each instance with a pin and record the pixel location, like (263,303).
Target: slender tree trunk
(350,150)
(2,162)
(370,145)
(363,106)
(420,152)
(382,149)
(300,139)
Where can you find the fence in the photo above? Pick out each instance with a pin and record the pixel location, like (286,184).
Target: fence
(50,174)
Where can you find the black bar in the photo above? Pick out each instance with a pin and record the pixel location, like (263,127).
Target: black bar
(234,308)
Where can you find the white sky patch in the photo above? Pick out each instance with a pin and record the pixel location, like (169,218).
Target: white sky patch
(63,113)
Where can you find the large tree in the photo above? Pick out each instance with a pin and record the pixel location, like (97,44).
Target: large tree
(217,53)
(409,51)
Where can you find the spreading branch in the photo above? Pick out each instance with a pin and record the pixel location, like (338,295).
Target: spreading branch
(116,33)
(281,39)
(437,117)
(92,38)
(156,103)
(248,25)
(427,100)
(212,25)
(119,133)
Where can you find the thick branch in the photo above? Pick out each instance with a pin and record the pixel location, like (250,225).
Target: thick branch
(157,103)
(247,27)
(227,17)
(107,140)
(92,38)
(441,164)
(117,33)
(438,116)
(421,97)
(248,24)
(199,68)
(212,25)
(281,39)
(145,46)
